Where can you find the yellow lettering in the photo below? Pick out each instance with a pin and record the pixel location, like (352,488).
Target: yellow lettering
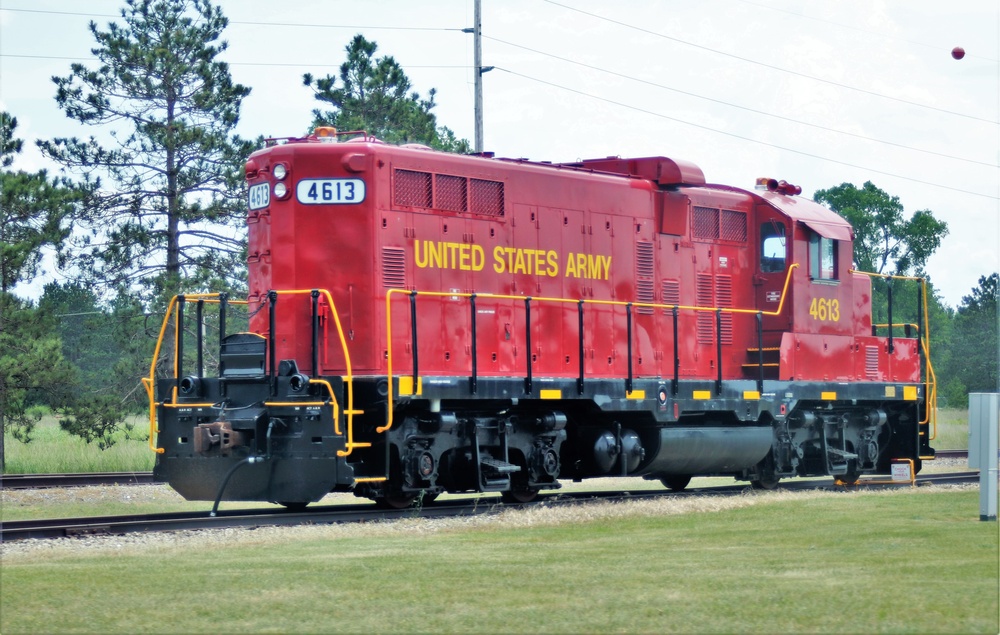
(553,260)
(478,258)
(497,259)
(421,262)
(435,254)
(571,266)
(519,262)
(539,262)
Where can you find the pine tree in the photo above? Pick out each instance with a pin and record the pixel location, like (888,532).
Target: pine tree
(374,95)
(167,188)
(33,213)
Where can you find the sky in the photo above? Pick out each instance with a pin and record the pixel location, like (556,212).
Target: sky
(816,93)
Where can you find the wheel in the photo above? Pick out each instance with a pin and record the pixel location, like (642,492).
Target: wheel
(293,507)
(519,496)
(676,482)
(396,501)
(766,482)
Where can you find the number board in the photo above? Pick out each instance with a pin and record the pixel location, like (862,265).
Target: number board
(330,191)
(259,196)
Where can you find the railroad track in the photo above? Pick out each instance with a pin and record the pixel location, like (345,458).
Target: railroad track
(36,481)
(116,525)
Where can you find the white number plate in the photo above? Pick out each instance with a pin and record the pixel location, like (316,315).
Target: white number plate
(330,191)
(259,196)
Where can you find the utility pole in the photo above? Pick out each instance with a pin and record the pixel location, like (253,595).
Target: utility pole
(477,43)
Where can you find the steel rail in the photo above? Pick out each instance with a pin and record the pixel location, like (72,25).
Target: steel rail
(178,521)
(38,481)
(85,479)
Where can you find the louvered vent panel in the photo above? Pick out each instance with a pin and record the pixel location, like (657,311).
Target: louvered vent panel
(671,290)
(394,267)
(706,320)
(486,197)
(724,299)
(450,193)
(734,226)
(871,362)
(705,223)
(412,189)
(645,285)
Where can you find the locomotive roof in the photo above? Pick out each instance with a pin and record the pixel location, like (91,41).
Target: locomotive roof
(822,220)
(662,172)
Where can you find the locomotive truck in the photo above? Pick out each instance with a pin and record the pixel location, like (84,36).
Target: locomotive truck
(425,322)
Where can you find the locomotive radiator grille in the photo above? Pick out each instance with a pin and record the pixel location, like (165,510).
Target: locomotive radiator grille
(705,225)
(451,193)
(447,193)
(733,226)
(487,197)
(412,189)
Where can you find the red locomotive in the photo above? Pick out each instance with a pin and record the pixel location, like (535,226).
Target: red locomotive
(426,322)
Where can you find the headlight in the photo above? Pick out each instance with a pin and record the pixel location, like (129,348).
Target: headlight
(280,171)
(280,190)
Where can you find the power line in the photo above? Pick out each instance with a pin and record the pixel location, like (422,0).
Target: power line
(851,27)
(746,108)
(251,23)
(284,64)
(742,137)
(771,66)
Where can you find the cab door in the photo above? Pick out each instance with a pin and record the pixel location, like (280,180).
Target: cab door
(774,251)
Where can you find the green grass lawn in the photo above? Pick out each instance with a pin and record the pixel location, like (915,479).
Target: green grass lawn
(906,561)
(53,450)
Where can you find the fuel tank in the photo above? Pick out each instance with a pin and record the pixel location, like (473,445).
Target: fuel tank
(708,450)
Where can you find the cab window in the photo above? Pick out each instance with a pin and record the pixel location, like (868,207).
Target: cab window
(772,247)
(822,257)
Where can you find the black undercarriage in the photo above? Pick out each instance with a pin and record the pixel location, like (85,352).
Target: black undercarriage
(290,439)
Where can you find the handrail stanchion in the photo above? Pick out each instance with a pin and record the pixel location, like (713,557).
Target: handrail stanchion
(888,286)
(272,301)
(582,352)
(920,320)
(718,350)
(674,385)
(413,337)
(474,379)
(527,342)
(223,304)
(179,343)
(760,352)
(201,341)
(315,332)
(628,334)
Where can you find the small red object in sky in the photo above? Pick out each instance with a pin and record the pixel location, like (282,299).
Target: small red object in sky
(958,52)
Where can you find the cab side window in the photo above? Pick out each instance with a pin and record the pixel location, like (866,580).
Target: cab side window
(822,257)
(772,247)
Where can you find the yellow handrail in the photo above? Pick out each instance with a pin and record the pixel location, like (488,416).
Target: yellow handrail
(497,296)
(349,379)
(930,413)
(149,383)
